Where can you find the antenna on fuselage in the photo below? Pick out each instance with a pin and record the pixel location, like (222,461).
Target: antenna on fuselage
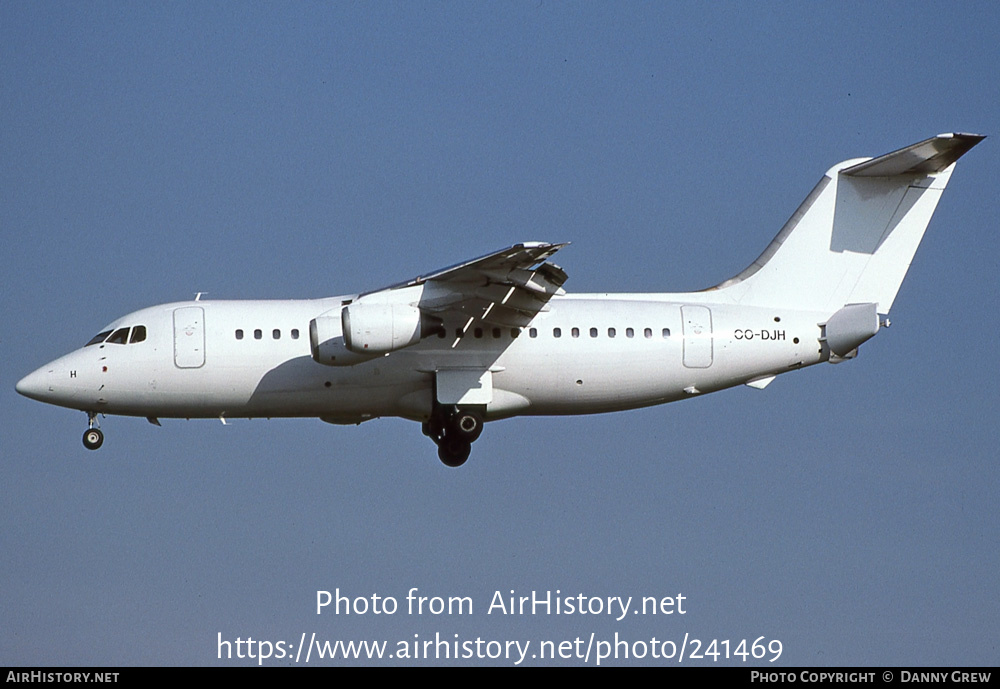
(197,297)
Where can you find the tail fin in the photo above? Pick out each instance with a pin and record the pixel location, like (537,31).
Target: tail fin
(853,238)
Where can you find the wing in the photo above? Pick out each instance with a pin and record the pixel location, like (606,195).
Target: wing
(506,288)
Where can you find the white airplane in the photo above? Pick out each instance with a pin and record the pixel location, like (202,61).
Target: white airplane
(497,336)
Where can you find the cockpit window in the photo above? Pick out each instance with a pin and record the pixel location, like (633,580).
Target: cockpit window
(119,336)
(98,338)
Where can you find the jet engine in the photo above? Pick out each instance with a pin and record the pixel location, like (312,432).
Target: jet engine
(328,346)
(380,328)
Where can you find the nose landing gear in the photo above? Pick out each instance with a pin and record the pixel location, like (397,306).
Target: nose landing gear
(454,430)
(93,438)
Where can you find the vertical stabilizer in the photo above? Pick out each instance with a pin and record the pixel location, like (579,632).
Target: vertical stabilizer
(853,238)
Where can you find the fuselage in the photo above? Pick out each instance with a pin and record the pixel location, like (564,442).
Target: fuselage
(586,353)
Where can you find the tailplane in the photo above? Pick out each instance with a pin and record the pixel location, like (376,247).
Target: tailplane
(853,238)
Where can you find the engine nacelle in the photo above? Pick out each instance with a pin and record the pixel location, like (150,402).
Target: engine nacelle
(380,328)
(327,343)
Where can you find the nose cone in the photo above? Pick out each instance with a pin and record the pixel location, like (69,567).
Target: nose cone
(35,385)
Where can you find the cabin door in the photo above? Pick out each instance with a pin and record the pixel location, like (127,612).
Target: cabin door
(189,337)
(697,336)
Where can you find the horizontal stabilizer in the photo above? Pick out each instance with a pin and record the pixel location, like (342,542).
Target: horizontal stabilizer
(924,158)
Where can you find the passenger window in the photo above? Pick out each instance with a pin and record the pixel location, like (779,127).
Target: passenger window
(611,332)
(119,336)
(648,332)
(496,333)
(98,338)
(478,332)
(257,334)
(533,332)
(556,332)
(239,334)
(138,334)
(629,332)
(593,332)
(295,333)
(576,332)
(666,333)
(276,334)
(515,333)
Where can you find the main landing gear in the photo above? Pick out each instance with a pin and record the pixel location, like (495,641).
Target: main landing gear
(93,438)
(454,430)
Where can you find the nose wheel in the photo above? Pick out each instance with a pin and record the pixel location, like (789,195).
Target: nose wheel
(93,437)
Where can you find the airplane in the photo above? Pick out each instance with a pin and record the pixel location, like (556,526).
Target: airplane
(498,336)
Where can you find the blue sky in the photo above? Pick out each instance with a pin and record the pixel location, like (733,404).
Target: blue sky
(257,150)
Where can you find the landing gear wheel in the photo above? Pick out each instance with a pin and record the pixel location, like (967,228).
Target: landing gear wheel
(93,438)
(468,425)
(432,428)
(454,451)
